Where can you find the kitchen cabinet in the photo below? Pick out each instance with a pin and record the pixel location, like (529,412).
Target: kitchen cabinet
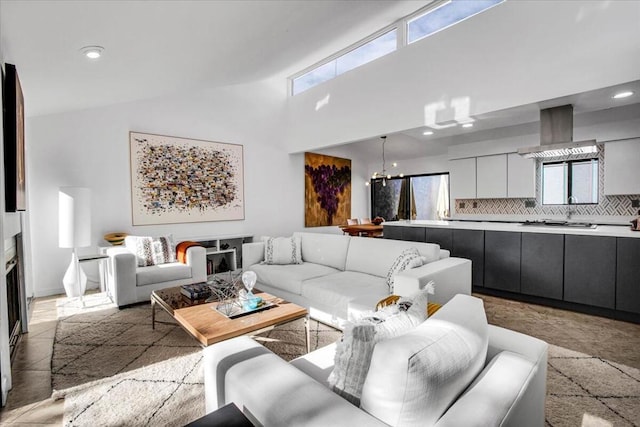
(411,234)
(462,178)
(628,275)
(440,236)
(521,176)
(502,260)
(470,244)
(621,171)
(393,232)
(491,177)
(542,266)
(590,270)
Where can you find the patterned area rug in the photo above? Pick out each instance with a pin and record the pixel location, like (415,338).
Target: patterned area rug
(109,365)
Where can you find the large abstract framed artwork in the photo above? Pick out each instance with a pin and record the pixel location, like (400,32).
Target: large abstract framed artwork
(13,128)
(176,180)
(327,190)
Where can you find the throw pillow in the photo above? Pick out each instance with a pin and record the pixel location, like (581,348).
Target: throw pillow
(353,352)
(163,249)
(415,377)
(409,258)
(151,251)
(282,250)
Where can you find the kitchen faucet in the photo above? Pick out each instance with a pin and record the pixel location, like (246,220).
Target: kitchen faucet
(571,200)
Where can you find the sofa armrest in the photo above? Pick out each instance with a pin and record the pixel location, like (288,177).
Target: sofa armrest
(252,253)
(451,276)
(533,349)
(270,391)
(121,275)
(496,395)
(197,260)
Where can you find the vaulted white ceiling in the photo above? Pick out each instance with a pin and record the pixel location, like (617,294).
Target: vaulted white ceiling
(155,47)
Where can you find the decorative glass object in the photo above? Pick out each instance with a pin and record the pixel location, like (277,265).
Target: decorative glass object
(249,279)
(225,289)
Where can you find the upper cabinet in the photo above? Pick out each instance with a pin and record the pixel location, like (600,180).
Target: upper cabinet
(462,178)
(621,170)
(491,177)
(521,176)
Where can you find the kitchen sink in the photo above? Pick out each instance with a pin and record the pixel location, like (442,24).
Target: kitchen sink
(560,223)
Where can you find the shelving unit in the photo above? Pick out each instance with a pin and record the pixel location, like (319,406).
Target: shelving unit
(224,253)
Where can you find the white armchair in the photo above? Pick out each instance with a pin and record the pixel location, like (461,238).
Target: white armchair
(129,284)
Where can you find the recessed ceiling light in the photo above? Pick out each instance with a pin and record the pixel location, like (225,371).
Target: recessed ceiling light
(92,52)
(467,125)
(427,132)
(621,95)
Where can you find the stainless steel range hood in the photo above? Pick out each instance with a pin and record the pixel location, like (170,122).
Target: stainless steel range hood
(556,136)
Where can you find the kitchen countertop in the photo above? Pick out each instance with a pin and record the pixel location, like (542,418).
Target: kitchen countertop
(600,230)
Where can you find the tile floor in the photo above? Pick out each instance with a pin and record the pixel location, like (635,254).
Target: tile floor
(29,402)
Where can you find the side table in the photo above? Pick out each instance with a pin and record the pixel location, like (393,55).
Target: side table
(101,258)
(227,416)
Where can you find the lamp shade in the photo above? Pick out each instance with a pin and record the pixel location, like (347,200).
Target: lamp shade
(74,217)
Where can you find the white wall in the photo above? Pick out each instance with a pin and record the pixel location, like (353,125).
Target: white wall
(91,148)
(5,360)
(514,54)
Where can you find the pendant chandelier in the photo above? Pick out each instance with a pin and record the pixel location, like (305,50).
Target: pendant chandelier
(384,175)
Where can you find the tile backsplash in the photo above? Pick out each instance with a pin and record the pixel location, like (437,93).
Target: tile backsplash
(606,206)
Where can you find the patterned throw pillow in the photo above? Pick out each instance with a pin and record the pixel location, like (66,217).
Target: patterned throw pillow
(282,250)
(354,351)
(151,250)
(409,258)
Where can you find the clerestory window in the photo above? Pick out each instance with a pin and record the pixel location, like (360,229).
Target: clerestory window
(437,16)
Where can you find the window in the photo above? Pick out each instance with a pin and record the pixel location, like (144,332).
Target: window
(444,16)
(404,31)
(570,182)
(411,197)
(354,58)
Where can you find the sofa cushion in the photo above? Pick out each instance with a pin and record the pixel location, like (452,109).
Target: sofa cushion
(353,352)
(162,273)
(282,250)
(415,377)
(289,277)
(408,258)
(151,250)
(336,290)
(325,249)
(375,256)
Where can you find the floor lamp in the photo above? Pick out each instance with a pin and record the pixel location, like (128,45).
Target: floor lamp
(74,228)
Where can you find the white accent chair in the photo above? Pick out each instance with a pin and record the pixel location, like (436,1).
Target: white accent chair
(129,284)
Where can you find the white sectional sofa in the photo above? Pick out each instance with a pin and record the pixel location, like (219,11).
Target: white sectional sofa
(342,276)
(451,370)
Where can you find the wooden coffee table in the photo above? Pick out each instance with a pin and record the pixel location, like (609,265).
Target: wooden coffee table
(202,321)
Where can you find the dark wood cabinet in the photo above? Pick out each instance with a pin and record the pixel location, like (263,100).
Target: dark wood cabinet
(590,270)
(470,244)
(502,260)
(628,274)
(440,236)
(542,265)
(413,234)
(392,232)
(399,232)
(594,274)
